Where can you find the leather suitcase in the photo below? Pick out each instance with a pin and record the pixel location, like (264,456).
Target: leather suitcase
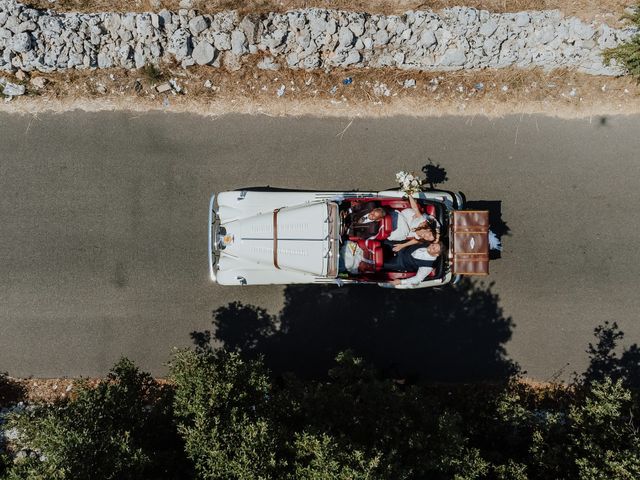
(470,242)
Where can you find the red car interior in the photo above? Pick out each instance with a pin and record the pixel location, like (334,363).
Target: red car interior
(372,247)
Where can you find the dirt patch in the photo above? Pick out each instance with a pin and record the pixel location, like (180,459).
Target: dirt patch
(50,390)
(347,93)
(604,10)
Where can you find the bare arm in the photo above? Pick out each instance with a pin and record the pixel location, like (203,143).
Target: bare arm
(420,275)
(400,246)
(414,206)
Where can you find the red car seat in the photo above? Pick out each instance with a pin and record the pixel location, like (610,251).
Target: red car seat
(372,251)
(386,227)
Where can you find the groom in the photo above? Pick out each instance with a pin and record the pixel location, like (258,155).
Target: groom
(364,219)
(418,258)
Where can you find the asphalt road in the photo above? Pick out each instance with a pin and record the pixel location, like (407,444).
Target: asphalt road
(103,223)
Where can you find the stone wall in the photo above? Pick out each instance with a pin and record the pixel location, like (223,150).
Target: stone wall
(456,38)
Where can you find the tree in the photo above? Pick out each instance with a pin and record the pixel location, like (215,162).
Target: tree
(603,437)
(399,429)
(222,408)
(120,429)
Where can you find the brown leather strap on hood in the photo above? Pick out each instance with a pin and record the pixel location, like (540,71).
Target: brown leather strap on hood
(275,238)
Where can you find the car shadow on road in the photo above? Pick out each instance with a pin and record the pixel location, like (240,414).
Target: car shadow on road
(453,334)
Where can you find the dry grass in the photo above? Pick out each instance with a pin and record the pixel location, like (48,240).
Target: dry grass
(50,390)
(601,10)
(371,93)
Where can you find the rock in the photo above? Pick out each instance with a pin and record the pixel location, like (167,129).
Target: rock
(443,36)
(357,28)
(203,53)
(268,63)
(281,90)
(21,42)
(38,82)
(453,57)
(607,37)
(29,26)
(581,30)
(207,84)
(144,27)
(292,60)
(197,24)
(238,42)
(163,87)
(139,57)
(12,24)
(124,52)
(381,38)
(352,58)
(222,41)
(104,60)
(165,17)
(545,35)
(332,26)
(427,39)
(317,26)
(410,83)
(13,89)
(231,61)
(522,19)
(21,75)
(180,44)
(21,455)
(250,26)
(345,37)
(311,62)
(488,27)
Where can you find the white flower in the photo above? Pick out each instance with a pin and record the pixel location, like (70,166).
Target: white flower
(409,182)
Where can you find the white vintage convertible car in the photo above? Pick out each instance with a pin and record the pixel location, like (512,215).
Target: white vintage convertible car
(267,236)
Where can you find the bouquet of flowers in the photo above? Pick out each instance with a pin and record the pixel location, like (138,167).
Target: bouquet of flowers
(409,182)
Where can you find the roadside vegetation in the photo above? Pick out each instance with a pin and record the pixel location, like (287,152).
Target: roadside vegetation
(224,415)
(586,9)
(628,54)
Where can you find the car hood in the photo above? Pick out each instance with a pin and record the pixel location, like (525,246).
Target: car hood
(299,235)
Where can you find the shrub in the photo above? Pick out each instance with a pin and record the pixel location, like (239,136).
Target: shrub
(120,429)
(628,54)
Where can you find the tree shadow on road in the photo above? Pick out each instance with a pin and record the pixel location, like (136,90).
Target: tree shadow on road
(453,334)
(604,360)
(11,391)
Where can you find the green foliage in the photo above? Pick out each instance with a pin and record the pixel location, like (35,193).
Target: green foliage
(121,429)
(153,73)
(399,430)
(628,54)
(320,456)
(603,436)
(227,417)
(222,407)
